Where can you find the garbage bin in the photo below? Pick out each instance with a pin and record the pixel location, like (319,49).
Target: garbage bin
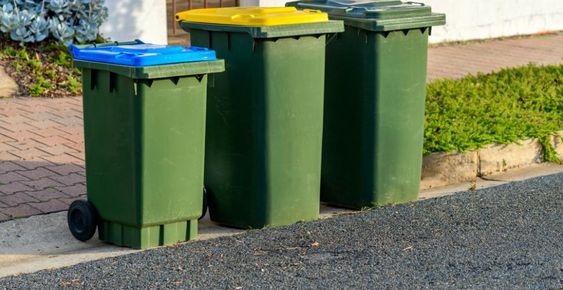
(374,101)
(144,123)
(264,115)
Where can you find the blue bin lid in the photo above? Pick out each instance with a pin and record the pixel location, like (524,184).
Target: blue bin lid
(140,54)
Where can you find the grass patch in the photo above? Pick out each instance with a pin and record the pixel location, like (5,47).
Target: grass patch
(498,108)
(41,70)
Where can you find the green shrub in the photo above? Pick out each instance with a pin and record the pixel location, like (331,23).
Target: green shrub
(502,107)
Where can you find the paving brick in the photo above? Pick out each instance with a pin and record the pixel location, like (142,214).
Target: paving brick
(18,136)
(9,177)
(5,146)
(73,190)
(12,110)
(46,194)
(70,179)
(50,206)
(43,116)
(29,154)
(5,138)
(56,150)
(63,159)
(16,198)
(15,119)
(37,173)
(48,132)
(79,146)
(8,166)
(70,121)
(6,156)
(73,129)
(22,210)
(17,127)
(66,169)
(69,200)
(43,124)
(62,138)
(23,145)
(78,155)
(13,187)
(42,183)
(33,163)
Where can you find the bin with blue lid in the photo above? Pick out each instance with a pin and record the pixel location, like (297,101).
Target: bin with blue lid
(374,100)
(144,123)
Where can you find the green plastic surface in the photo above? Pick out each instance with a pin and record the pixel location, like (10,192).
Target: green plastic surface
(269,31)
(144,152)
(374,117)
(264,128)
(158,71)
(376,15)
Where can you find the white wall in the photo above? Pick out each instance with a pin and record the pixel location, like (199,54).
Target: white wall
(264,3)
(477,19)
(136,19)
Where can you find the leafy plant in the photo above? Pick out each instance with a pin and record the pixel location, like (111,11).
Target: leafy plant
(39,87)
(73,84)
(41,70)
(503,107)
(65,20)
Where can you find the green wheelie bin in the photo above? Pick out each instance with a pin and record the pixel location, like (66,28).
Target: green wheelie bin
(264,114)
(374,101)
(144,123)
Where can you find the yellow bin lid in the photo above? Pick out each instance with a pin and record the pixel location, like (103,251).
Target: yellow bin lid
(252,16)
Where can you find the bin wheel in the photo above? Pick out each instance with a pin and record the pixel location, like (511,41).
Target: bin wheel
(82,219)
(204,205)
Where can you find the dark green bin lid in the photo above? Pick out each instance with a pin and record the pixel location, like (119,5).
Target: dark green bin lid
(376,15)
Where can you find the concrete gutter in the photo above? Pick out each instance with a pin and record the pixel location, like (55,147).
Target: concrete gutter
(44,241)
(442,169)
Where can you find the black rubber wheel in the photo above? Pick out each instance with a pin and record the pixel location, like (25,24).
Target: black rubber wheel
(82,219)
(204,205)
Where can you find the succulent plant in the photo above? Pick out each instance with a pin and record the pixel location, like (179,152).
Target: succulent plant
(65,20)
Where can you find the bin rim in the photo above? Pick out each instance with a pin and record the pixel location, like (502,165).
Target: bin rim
(157,71)
(138,53)
(264,32)
(252,16)
(372,15)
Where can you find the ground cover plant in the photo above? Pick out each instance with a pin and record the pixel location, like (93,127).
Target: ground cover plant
(33,39)
(497,108)
(41,70)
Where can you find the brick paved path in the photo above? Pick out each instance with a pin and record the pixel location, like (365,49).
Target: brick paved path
(41,155)
(42,143)
(460,60)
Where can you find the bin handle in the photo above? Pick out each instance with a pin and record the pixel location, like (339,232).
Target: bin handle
(116,43)
(415,3)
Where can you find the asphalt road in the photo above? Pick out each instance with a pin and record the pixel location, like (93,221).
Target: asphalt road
(508,237)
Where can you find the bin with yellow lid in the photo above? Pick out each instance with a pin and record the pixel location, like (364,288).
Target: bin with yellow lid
(265,113)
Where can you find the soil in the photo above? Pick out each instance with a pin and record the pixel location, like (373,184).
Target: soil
(56,68)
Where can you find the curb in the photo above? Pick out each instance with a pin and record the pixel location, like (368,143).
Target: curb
(441,169)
